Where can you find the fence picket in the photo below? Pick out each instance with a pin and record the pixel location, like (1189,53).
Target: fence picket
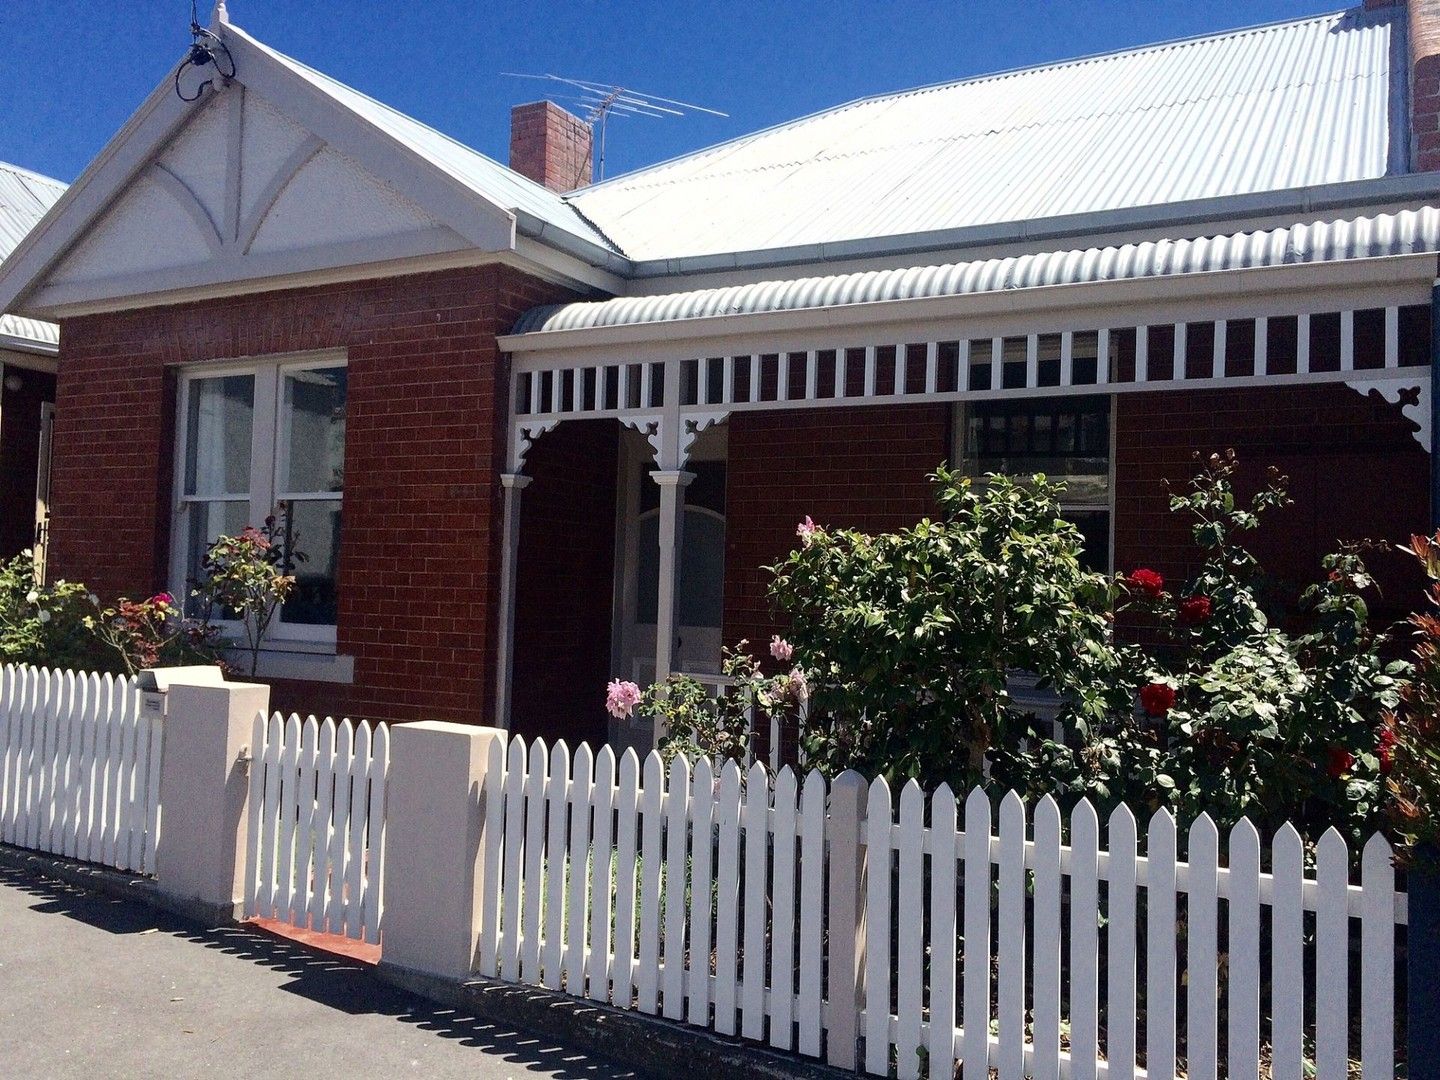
(1160,945)
(534,887)
(727,897)
(64,752)
(1120,947)
(152,795)
(1045,950)
(373,913)
(128,736)
(1084,939)
(627,800)
(557,790)
(910,940)
(812,905)
(270,839)
(1200,969)
(782,933)
(289,797)
(488,949)
(514,861)
(1332,955)
(355,868)
(976,1048)
(702,841)
(1243,990)
(340,827)
(754,817)
(582,793)
(1377,961)
(677,819)
(323,824)
(600,879)
(647,971)
(89,728)
(1010,945)
(304,820)
(1287,955)
(876,1030)
(940,1039)
(10,683)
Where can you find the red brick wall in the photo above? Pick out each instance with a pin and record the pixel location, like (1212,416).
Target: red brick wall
(859,467)
(19,455)
(564,584)
(550,146)
(424,446)
(1355,471)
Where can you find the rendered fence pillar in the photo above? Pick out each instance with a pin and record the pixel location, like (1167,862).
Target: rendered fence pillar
(205,795)
(514,484)
(1422,965)
(435,883)
(845,918)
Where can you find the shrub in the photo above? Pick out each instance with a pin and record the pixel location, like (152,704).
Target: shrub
(244,580)
(153,633)
(909,638)
(44,625)
(1409,749)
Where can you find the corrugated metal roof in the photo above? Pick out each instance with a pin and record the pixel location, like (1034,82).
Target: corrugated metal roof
(486,177)
(1288,105)
(24,198)
(1404,233)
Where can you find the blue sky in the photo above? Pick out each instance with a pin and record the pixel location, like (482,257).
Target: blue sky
(71,72)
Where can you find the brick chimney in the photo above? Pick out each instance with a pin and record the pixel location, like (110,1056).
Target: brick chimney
(549,145)
(1423,17)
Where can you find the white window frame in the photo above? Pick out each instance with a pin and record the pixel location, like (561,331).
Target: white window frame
(269,449)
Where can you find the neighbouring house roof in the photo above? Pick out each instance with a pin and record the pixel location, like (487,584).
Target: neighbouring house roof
(24,198)
(1409,232)
(486,177)
(1310,102)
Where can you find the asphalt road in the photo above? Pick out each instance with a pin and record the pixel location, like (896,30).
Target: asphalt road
(92,987)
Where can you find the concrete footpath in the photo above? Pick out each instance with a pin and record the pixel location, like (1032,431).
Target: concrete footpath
(97,987)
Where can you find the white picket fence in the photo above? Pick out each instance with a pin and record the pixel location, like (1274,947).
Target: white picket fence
(317,824)
(79,767)
(808,917)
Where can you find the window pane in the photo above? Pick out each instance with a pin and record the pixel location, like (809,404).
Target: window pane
(1068,439)
(207,522)
(217,435)
(312,536)
(314,415)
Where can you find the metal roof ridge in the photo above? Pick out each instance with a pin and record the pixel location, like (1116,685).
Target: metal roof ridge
(1378,16)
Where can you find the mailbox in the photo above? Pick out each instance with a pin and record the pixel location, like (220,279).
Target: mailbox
(155,685)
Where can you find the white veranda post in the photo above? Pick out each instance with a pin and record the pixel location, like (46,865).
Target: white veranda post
(514,484)
(673,483)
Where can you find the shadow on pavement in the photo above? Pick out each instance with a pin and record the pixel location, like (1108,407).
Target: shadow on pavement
(332,981)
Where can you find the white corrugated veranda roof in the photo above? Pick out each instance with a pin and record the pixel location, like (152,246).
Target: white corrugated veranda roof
(24,198)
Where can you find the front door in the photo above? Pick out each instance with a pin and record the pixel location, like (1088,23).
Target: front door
(700,590)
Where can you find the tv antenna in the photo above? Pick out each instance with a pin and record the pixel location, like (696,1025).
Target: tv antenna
(598,101)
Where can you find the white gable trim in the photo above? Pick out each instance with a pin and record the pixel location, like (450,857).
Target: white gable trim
(465,220)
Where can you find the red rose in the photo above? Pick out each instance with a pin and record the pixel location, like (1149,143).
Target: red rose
(1157,698)
(1338,761)
(1146,581)
(1385,750)
(1194,609)
(162,598)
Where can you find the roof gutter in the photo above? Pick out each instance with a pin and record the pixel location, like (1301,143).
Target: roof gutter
(1291,201)
(553,236)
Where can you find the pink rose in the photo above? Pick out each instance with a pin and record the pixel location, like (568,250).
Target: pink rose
(162,598)
(781,649)
(806,530)
(798,685)
(621,697)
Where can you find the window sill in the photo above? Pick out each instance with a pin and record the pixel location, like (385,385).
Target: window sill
(305,661)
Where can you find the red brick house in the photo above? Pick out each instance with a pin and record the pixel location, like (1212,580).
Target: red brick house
(534,434)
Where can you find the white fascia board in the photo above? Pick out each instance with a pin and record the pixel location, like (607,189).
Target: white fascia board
(482,222)
(21,357)
(1232,294)
(127,152)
